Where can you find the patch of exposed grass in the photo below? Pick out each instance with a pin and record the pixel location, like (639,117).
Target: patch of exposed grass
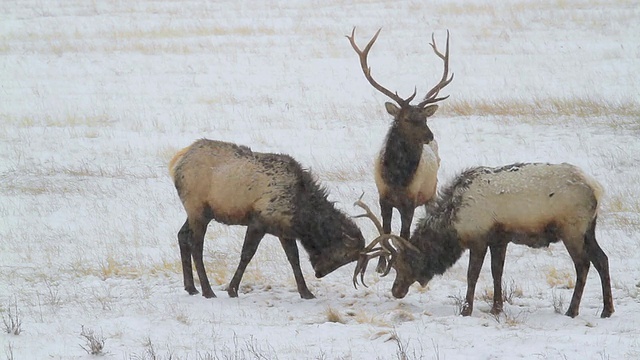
(510,291)
(343,172)
(164,32)
(580,107)
(66,120)
(623,210)
(560,279)
(620,203)
(334,315)
(94,343)
(511,318)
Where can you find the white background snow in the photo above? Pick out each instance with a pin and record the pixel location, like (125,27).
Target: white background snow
(96,96)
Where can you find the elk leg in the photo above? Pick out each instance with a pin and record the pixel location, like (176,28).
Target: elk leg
(581,262)
(498,253)
(251,241)
(185,236)
(291,249)
(476,258)
(198,229)
(386,211)
(406,216)
(601,263)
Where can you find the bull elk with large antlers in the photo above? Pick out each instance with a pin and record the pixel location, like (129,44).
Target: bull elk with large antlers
(267,193)
(405,170)
(530,204)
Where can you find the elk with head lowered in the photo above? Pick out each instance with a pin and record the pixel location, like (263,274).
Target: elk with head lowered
(267,193)
(406,170)
(532,204)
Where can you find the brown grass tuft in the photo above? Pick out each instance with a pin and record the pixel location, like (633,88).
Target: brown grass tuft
(581,107)
(334,316)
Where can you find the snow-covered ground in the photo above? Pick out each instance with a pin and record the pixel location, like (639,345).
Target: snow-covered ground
(96,96)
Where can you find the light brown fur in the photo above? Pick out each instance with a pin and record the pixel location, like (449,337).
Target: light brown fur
(488,208)
(527,200)
(223,177)
(268,193)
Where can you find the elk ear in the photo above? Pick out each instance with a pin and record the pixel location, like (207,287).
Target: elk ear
(429,110)
(392,109)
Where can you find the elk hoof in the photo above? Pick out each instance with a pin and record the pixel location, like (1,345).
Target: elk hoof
(191,290)
(571,313)
(307,295)
(232,292)
(466,310)
(208,294)
(606,313)
(496,310)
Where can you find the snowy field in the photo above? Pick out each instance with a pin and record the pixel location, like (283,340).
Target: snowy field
(96,96)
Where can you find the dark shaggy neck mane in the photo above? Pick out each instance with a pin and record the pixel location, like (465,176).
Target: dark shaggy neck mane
(316,221)
(400,158)
(435,235)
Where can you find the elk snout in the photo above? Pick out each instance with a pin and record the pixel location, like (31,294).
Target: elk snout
(399,292)
(400,288)
(428,136)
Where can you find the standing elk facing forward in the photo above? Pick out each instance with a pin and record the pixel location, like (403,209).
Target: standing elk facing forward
(268,193)
(529,204)
(406,171)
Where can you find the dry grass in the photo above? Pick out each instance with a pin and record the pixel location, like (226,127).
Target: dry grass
(558,302)
(560,278)
(94,343)
(361,317)
(334,315)
(545,107)
(61,121)
(453,8)
(511,318)
(510,291)
(623,211)
(12,319)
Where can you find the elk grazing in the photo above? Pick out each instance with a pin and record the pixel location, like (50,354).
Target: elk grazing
(268,193)
(405,170)
(531,204)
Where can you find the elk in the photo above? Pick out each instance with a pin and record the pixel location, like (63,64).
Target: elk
(267,193)
(533,204)
(406,170)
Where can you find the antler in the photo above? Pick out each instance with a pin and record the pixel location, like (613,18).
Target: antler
(362,54)
(386,249)
(431,98)
(371,252)
(368,214)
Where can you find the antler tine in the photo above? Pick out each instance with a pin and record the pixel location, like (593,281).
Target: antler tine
(362,54)
(385,250)
(361,266)
(400,242)
(431,96)
(368,214)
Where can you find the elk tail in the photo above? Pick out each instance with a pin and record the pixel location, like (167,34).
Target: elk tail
(173,164)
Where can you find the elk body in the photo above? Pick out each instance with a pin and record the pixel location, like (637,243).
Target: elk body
(267,193)
(406,170)
(532,204)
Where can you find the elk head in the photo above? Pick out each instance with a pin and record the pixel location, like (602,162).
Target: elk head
(412,119)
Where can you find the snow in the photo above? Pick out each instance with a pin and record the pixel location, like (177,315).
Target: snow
(97,96)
